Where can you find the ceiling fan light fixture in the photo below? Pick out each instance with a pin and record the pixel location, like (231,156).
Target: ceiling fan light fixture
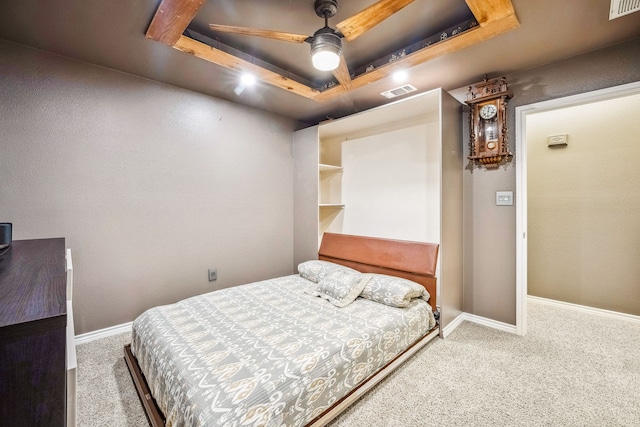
(326,49)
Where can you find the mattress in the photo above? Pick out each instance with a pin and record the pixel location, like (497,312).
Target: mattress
(266,353)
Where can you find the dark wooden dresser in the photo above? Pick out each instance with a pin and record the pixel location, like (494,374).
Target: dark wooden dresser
(33,318)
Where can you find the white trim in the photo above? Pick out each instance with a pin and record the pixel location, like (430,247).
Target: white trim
(69,275)
(521,180)
(103,333)
(494,324)
(521,219)
(71,356)
(453,325)
(586,309)
(72,365)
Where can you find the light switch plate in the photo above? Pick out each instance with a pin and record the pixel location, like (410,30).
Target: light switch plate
(504,198)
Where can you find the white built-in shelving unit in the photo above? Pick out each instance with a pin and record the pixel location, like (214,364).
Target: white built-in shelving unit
(395,172)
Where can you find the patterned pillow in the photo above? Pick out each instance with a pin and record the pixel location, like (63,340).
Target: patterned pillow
(393,291)
(341,286)
(315,270)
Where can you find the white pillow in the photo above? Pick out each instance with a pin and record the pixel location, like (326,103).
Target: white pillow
(341,286)
(315,270)
(393,291)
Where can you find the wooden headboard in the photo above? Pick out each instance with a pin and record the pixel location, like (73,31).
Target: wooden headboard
(411,260)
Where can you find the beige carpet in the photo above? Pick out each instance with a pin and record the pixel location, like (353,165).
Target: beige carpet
(572,369)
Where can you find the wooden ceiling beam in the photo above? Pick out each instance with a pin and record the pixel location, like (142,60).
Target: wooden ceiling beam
(173,16)
(342,73)
(449,45)
(486,12)
(208,53)
(171,19)
(353,27)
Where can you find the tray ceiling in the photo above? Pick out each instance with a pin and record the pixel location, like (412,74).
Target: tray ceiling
(482,20)
(111,34)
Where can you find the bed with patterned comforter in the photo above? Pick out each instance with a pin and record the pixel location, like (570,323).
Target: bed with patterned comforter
(268,353)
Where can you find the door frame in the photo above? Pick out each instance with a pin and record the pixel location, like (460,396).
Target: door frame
(521,179)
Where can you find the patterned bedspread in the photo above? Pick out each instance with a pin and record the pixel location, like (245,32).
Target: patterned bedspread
(266,353)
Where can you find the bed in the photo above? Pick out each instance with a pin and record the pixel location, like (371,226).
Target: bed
(295,350)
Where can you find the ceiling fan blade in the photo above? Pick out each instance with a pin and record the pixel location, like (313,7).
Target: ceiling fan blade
(268,34)
(342,73)
(353,27)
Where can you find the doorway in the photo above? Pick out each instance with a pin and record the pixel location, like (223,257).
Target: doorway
(527,116)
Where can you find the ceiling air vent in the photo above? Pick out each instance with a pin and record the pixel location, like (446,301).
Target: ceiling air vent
(400,90)
(623,7)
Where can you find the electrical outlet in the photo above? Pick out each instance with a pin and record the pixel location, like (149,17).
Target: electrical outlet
(213,274)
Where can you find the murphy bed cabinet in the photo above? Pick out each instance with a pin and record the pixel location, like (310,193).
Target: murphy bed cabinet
(37,356)
(394,171)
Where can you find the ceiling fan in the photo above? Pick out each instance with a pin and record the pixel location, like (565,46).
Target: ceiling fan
(326,43)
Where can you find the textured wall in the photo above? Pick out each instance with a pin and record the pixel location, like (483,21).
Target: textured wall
(490,240)
(150,184)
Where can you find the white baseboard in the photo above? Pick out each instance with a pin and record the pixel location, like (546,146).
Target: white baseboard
(501,326)
(586,309)
(103,333)
(452,325)
(126,327)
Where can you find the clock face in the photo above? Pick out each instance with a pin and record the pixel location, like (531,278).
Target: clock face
(488,111)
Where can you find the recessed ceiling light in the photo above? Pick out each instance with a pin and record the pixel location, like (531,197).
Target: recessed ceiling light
(400,76)
(248,79)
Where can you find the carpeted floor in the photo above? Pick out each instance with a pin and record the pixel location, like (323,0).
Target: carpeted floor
(571,369)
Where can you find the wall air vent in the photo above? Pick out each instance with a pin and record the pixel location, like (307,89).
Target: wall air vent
(623,7)
(400,90)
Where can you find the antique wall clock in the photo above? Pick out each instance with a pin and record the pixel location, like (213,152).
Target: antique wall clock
(488,145)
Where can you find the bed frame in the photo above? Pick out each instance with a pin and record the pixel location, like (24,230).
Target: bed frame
(412,260)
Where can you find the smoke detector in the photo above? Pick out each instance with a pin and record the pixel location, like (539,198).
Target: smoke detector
(623,7)
(400,90)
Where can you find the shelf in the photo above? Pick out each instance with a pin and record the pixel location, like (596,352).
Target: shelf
(331,206)
(329,168)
